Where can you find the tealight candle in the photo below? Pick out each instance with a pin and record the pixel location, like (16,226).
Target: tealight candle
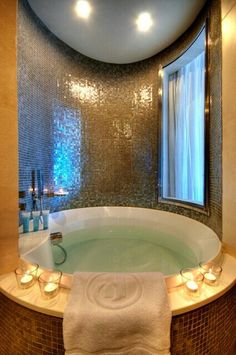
(61,192)
(210,277)
(26,274)
(50,288)
(192,280)
(192,286)
(211,272)
(26,280)
(49,283)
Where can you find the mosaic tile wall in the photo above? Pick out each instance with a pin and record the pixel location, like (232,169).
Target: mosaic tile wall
(206,330)
(92,127)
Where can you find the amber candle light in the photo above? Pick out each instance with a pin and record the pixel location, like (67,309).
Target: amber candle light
(211,272)
(26,275)
(49,283)
(192,280)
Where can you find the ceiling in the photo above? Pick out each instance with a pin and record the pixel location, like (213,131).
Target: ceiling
(110,33)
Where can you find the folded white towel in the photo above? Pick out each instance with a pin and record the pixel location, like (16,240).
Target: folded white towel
(117,313)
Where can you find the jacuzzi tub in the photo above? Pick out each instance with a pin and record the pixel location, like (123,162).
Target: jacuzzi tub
(216,302)
(190,237)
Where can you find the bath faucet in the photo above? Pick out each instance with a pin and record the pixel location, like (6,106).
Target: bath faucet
(22,205)
(56,238)
(37,195)
(37,202)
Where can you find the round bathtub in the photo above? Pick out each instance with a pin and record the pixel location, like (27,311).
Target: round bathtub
(128,239)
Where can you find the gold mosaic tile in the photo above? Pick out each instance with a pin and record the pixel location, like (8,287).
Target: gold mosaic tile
(115,160)
(209,330)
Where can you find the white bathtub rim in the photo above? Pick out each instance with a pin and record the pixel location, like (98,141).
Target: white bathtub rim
(40,237)
(208,238)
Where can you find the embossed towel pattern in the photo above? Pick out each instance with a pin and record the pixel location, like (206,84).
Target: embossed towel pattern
(117,313)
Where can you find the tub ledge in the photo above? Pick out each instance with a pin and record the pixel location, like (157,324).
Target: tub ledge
(179,301)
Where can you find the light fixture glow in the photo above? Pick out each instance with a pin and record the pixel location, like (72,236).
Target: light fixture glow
(144,22)
(83,9)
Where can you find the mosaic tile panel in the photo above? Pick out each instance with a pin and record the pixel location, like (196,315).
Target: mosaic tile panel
(208,330)
(110,156)
(29,332)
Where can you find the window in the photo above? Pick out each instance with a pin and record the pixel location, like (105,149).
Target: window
(183,126)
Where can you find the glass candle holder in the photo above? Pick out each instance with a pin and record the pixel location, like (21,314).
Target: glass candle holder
(26,275)
(25,221)
(45,218)
(192,280)
(36,216)
(211,272)
(49,283)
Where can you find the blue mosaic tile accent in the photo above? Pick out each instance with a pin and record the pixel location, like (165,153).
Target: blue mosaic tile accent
(66,147)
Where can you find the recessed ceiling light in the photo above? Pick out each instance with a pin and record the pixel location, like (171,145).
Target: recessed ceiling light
(144,22)
(83,8)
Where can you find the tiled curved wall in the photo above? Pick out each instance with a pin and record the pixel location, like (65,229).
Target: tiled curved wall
(92,127)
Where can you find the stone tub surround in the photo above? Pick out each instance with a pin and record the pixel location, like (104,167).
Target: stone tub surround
(179,301)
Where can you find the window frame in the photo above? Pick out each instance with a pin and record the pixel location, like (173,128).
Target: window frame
(170,200)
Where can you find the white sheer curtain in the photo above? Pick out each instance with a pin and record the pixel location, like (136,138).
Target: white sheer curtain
(183,144)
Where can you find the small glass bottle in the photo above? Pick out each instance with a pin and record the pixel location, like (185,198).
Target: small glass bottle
(45,218)
(36,216)
(25,220)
